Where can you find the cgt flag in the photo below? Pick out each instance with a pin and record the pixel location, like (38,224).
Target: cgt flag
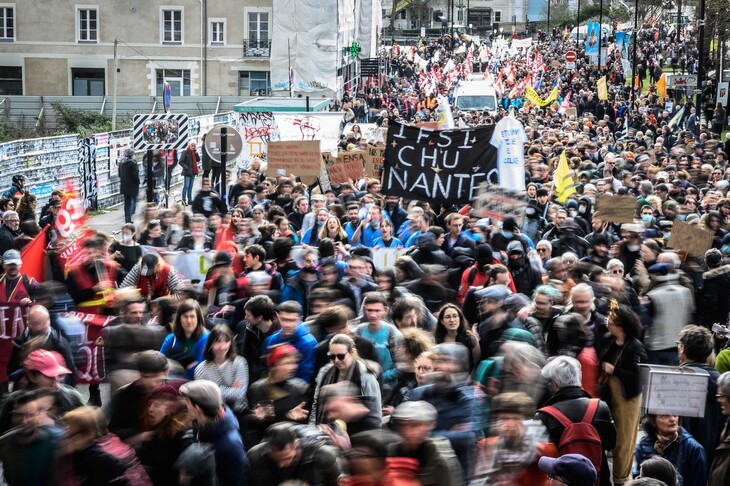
(535,99)
(438,165)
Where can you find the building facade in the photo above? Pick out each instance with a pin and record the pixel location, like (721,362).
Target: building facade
(483,15)
(199,47)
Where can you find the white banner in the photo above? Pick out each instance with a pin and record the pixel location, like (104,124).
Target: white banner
(324,127)
(191,265)
(509,138)
(384,258)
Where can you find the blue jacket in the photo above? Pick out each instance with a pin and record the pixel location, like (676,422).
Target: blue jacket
(294,289)
(171,348)
(685,453)
(230,455)
(305,343)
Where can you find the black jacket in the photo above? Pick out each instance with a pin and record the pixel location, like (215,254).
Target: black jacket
(207,203)
(317,465)
(53,342)
(7,237)
(573,402)
(129,177)
(713,301)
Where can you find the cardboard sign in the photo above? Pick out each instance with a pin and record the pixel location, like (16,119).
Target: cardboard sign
(384,258)
(573,111)
(668,390)
(690,238)
(374,158)
(348,166)
(300,157)
(616,209)
(496,202)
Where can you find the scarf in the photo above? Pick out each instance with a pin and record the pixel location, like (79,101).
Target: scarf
(664,441)
(194,158)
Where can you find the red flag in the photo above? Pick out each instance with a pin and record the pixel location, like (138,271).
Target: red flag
(71,231)
(34,256)
(223,234)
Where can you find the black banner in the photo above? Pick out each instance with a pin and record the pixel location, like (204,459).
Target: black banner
(438,165)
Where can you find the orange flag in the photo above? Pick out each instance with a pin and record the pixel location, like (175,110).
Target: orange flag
(661,87)
(34,256)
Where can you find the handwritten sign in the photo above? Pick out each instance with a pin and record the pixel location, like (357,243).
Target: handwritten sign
(374,158)
(690,238)
(348,166)
(617,209)
(498,202)
(301,157)
(669,390)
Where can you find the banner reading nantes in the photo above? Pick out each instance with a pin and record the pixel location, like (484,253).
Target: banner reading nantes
(438,165)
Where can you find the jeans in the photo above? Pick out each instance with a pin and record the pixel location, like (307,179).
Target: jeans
(187,192)
(130,207)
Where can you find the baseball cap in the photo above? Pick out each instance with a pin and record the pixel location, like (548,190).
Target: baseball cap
(575,469)
(12,257)
(47,363)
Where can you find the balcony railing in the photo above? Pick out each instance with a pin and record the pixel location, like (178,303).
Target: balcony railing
(256,48)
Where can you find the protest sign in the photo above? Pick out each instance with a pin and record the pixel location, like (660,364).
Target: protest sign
(348,166)
(374,158)
(301,157)
(616,209)
(496,202)
(509,138)
(690,238)
(192,265)
(384,258)
(668,390)
(439,166)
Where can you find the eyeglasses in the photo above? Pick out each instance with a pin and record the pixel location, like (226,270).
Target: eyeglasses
(541,250)
(12,221)
(618,271)
(339,356)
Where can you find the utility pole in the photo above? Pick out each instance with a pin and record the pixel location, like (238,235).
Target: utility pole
(547,28)
(600,34)
(114,86)
(701,60)
(577,29)
(633,62)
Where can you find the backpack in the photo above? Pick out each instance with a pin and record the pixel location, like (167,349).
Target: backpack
(580,437)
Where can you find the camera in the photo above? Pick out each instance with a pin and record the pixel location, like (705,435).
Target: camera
(720,329)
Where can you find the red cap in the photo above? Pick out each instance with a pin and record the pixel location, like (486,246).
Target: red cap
(48,363)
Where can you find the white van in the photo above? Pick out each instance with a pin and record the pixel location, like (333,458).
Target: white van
(475,95)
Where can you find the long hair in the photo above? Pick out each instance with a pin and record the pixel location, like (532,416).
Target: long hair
(221,332)
(324,231)
(462,334)
(187,306)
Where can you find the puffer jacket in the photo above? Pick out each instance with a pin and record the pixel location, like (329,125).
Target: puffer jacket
(686,455)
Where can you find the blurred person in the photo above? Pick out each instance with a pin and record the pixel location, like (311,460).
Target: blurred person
(186,343)
(569,337)
(664,437)
(260,323)
(720,467)
(332,321)
(511,457)
(197,238)
(564,377)
(128,172)
(346,366)
(128,403)
(414,422)
(224,367)
(189,162)
(660,469)
(415,343)
(620,355)
(272,397)
(384,335)
(9,230)
(28,450)
(126,251)
(91,283)
(295,332)
(713,300)
(285,457)
(91,455)
(582,302)
(166,434)
(153,235)
(215,424)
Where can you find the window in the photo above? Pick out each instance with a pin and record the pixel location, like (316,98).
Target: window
(254,83)
(258,27)
(172,27)
(497,16)
(217,32)
(179,80)
(87,22)
(460,16)
(7,24)
(87,81)
(11,80)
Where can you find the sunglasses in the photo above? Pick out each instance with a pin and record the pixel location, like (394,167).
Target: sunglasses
(617,272)
(541,250)
(340,356)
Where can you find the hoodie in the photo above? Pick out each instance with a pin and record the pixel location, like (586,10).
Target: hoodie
(230,456)
(304,342)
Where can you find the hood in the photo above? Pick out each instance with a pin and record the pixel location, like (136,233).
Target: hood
(717,272)
(589,207)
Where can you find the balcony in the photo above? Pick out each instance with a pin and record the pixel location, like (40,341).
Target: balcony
(256,48)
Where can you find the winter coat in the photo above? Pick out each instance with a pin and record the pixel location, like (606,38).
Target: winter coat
(186,164)
(706,430)
(720,468)
(129,177)
(317,465)
(230,456)
(304,342)
(686,455)
(713,301)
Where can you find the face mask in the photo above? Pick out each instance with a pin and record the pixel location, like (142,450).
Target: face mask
(126,238)
(667,235)
(682,217)
(582,209)
(725,249)
(507,234)
(573,213)
(197,234)
(530,211)
(633,247)
(646,218)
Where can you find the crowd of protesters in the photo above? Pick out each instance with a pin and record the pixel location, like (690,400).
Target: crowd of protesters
(469,359)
